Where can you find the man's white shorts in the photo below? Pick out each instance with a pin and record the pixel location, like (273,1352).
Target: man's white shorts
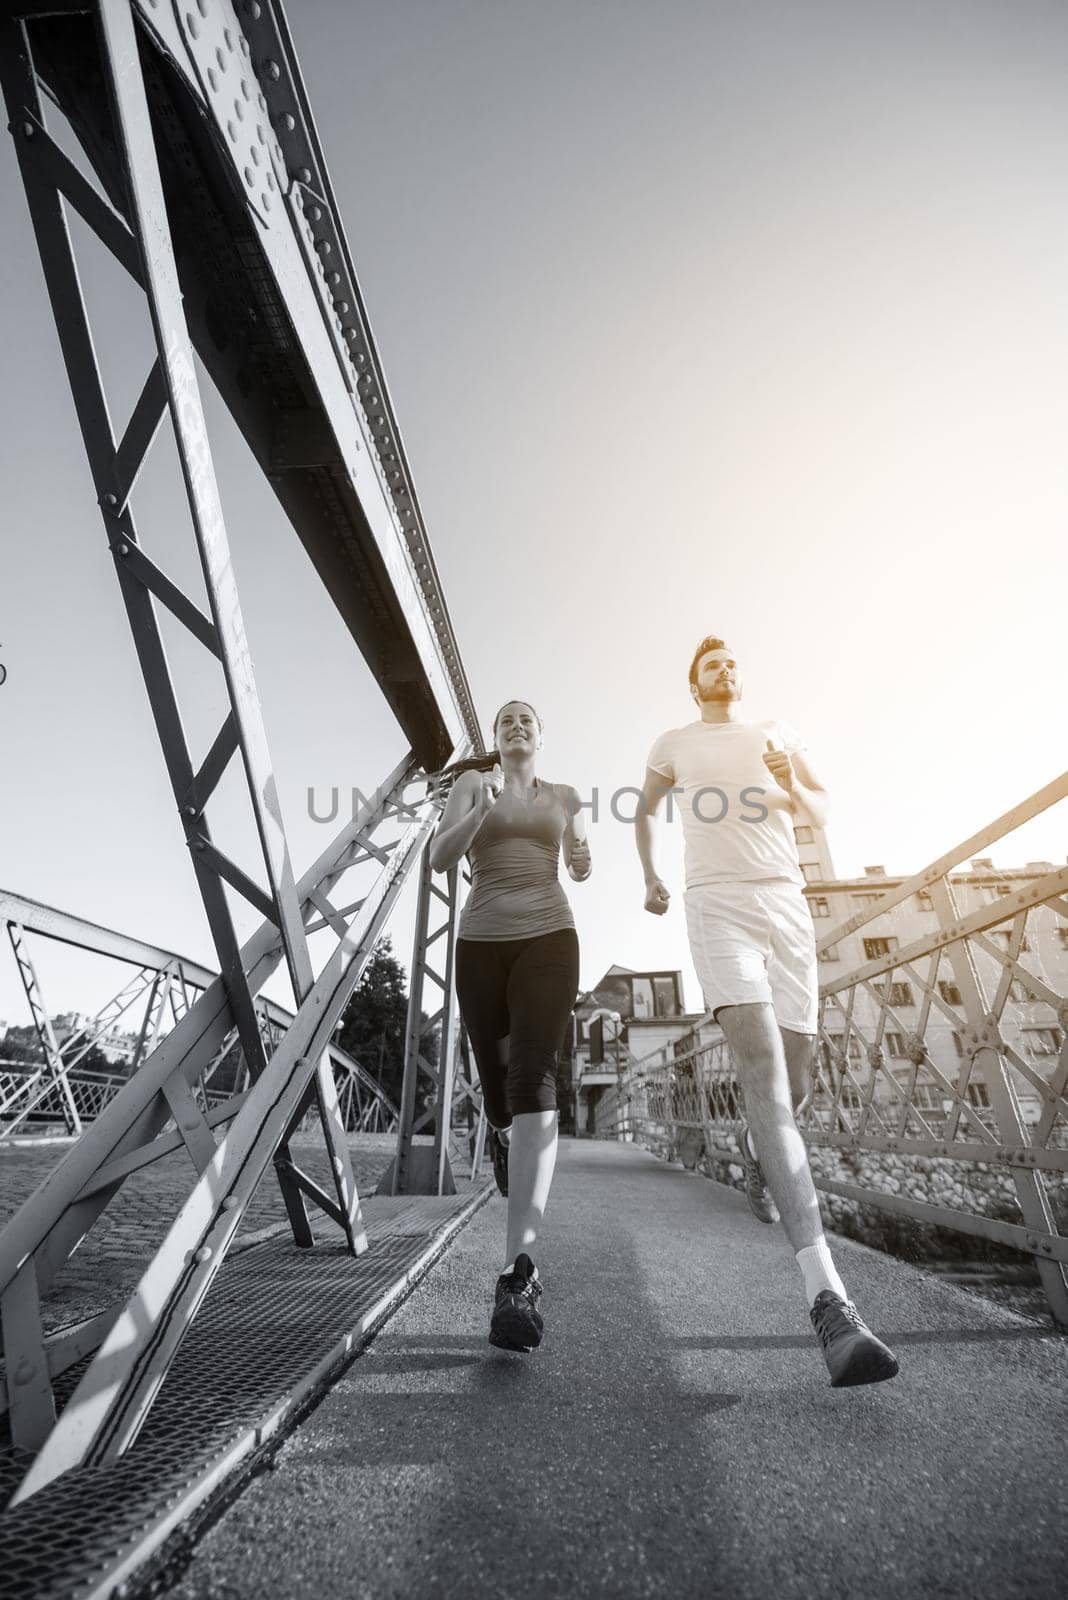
(752,942)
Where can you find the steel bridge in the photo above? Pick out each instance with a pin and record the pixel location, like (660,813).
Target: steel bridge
(201,173)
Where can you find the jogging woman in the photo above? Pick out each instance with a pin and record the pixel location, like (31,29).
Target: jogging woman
(517,966)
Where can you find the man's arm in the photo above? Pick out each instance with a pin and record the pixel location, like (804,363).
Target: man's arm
(654,790)
(809,800)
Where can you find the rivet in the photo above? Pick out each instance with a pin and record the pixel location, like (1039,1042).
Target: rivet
(202,7)
(254,153)
(220,58)
(260,135)
(254,10)
(28,130)
(261,102)
(270,180)
(273,70)
(334,278)
(239,108)
(110,500)
(230,1203)
(313,212)
(213,79)
(204,1253)
(124,549)
(244,45)
(245,90)
(25,1371)
(265,202)
(250,176)
(192,24)
(304,175)
(190,811)
(289,122)
(323,246)
(343,307)
(232,131)
(229,38)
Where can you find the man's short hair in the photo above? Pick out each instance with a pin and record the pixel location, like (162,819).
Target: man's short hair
(711,643)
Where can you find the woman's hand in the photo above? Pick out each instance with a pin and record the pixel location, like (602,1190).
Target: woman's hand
(490,789)
(581,863)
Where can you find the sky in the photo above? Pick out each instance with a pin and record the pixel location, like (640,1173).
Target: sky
(747,318)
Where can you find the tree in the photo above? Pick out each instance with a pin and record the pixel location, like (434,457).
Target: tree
(373,1024)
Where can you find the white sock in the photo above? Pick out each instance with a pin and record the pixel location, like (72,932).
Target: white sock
(749,1142)
(819,1271)
(504,1134)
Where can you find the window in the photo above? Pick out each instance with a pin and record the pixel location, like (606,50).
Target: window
(927,1097)
(819,905)
(1003,888)
(1062,935)
(897,1045)
(830,954)
(849,1099)
(1042,1041)
(950,993)
(665,1001)
(866,899)
(810,872)
(895,994)
(874,948)
(977,1095)
(803,834)
(958,1041)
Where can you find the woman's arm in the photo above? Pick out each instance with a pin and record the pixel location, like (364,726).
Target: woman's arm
(575,845)
(471,797)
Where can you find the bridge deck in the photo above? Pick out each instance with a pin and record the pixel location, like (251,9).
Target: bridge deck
(675,1435)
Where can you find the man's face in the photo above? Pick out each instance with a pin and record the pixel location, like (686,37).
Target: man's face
(718,678)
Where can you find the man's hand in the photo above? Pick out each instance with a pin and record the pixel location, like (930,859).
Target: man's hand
(657,896)
(781,768)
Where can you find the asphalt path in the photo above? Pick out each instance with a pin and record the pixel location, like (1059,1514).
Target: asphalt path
(675,1435)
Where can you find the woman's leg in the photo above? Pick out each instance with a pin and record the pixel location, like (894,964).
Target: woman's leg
(482,990)
(541,993)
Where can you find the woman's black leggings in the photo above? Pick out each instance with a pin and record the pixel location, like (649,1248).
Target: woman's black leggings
(522,990)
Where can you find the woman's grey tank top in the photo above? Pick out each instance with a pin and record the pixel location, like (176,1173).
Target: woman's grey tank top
(516,891)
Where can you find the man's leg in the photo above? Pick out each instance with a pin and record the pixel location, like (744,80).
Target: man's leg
(757,1046)
(799,1048)
(852,1352)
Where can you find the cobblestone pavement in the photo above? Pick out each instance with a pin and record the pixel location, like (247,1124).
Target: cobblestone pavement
(111,1258)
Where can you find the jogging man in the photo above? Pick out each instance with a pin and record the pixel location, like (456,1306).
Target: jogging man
(741,786)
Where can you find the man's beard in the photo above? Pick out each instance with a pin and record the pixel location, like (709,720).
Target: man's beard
(719,691)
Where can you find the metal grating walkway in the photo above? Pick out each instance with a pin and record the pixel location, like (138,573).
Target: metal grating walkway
(277,1325)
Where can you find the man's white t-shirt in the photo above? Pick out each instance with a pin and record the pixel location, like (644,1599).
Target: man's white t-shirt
(736,821)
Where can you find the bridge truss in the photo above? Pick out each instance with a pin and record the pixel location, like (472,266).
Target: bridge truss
(204,178)
(59,1094)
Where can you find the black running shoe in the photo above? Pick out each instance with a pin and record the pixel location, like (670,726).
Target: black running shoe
(852,1352)
(500,1161)
(516,1322)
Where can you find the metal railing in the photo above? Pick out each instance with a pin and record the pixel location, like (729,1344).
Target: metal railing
(980,1148)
